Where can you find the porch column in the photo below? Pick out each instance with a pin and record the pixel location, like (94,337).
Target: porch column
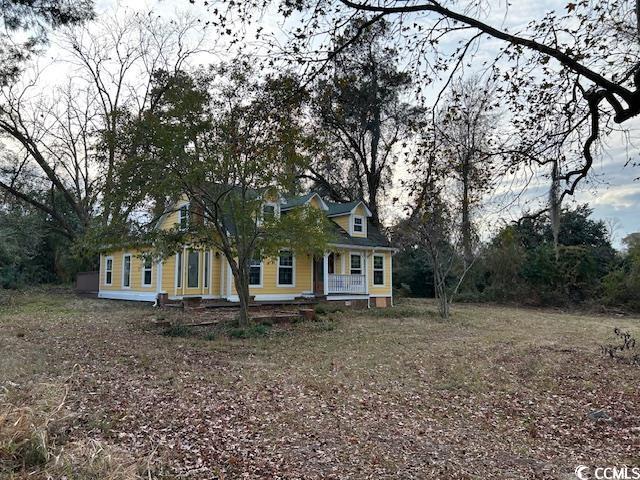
(325,273)
(366,271)
(159,276)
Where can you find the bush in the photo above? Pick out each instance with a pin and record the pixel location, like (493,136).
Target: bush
(622,285)
(400,311)
(325,308)
(178,330)
(249,332)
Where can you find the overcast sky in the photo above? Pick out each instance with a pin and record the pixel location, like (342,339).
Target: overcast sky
(612,190)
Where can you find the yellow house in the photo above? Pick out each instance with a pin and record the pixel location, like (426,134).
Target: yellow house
(356,269)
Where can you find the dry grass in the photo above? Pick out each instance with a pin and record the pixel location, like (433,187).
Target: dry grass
(494,393)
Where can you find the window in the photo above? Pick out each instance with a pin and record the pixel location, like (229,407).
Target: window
(183,217)
(285,269)
(268,212)
(108,270)
(193,261)
(206,269)
(378,270)
(358,224)
(255,271)
(126,271)
(179,270)
(356,264)
(146,272)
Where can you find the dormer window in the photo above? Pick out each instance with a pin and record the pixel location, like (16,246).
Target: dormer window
(183,217)
(268,212)
(358,224)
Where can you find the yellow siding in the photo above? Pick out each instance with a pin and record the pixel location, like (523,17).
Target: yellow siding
(315,202)
(343,221)
(380,290)
(215,273)
(361,212)
(170,220)
(136,272)
(341,261)
(169,274)
(303,267)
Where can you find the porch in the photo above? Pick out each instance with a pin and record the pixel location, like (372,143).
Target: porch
(332,275)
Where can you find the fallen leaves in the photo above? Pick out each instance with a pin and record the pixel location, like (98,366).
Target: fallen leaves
(374,398)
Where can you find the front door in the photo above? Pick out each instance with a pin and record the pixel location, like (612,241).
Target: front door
(318,276)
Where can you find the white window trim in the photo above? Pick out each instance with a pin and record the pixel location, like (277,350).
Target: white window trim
(150,284)
(364,225)
(197,252)
(178,273)
(276,211)
(276,208)
(357,254)
(206,269)
(125,255)
(180,216)
(374,270)
(261,284)
(106,262)
(293,273)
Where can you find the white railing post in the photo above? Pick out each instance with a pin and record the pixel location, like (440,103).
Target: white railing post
(325,273)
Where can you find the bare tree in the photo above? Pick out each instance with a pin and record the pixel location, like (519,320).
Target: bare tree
(362,120)
(567,78)
(466,128)
(60,148)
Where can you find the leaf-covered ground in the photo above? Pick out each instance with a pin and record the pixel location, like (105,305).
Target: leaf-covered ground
(493,393)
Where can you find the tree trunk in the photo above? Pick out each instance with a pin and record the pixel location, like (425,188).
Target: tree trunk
(439,286)
(240,271)
(243,295)
(441,294)
(467,242)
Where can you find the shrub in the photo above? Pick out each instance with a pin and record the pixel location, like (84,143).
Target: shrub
(249,332)
(324,308)
(178,330)
(400,311)
(624,350)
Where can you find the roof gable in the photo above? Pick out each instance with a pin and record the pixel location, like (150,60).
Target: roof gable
(288,203)
(336,209)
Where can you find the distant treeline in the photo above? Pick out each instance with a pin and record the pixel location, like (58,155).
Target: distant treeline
(522,264)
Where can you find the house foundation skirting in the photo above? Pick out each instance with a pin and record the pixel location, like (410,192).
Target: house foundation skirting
(128,295)
(270,297)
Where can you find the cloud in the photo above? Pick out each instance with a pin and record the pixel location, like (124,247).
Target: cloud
(621,197)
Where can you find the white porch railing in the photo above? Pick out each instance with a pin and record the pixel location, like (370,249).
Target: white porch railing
(347,284)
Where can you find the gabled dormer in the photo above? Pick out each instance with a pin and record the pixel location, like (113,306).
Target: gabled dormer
(351,216)
(311,198)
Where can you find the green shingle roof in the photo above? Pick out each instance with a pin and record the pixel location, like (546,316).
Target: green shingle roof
(340,208)
(374,237)
(292,202)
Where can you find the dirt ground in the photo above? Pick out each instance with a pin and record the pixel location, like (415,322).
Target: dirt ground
(494,392)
